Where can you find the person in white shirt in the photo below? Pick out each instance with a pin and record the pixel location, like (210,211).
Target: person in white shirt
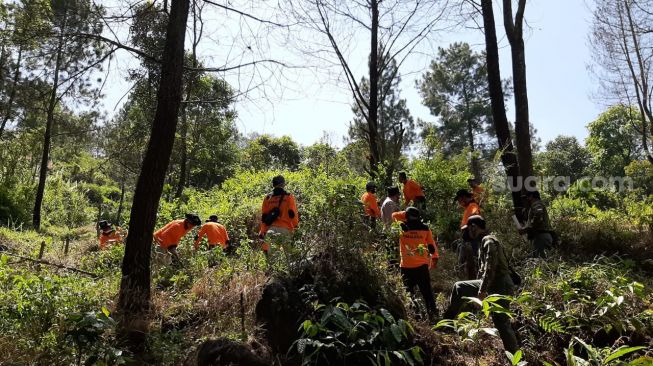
(390,205)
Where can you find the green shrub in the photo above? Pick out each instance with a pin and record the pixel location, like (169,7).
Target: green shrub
(355,334)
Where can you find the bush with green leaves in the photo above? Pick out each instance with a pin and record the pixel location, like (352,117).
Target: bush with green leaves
(601,356)
(598,303)
(65,203)
(355,334)
(441,178)
(34,306)
(91,335)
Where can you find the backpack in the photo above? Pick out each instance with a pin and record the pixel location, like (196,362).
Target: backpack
(273,215)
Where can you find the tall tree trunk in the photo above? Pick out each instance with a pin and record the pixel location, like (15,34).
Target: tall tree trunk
(373,113)
(122,199)
(184,167)
(184,151)
(474,163)
(12,93)
(499,118)
(514,32)
(47,137)
(134,297)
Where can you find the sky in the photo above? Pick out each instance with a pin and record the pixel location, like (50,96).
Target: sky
(307,106)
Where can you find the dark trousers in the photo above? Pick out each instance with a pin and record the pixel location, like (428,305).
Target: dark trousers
(541,242)
(419,276)
(501,321)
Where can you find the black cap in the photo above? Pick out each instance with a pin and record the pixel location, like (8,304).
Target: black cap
(462,193)
(393,191)
(193,219)
(104,224)
(278,180)
(412,213)
(213,218)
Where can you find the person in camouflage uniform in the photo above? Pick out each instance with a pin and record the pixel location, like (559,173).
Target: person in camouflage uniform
(494,277)
(537,228)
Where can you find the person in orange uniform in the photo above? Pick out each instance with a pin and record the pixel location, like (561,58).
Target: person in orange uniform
(371,205)
(279,213)
(468,252)
(412,192)
(418,252)
(109,235)
(478,192)
(168,237)
(216,234)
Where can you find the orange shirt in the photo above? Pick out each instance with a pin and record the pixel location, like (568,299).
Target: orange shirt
(287,209)
(412,190)
(413,246)
(112,236)
(478,193)
(171,234)
(215,233)
(371,205)
(471,209)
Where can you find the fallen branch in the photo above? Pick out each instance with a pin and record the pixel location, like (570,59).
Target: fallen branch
(42,261)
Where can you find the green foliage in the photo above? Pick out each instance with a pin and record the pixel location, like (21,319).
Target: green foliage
(455,89)
(613,141)
(602,356)
(470,326)
(595,304)
(34,307)
(641,171)
(356,334)
(64,204)
(268,152)
(87,332)
(441,178)
(11,212)
(564,157)
(602,198)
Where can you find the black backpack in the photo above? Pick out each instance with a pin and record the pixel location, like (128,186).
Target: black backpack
(273,215)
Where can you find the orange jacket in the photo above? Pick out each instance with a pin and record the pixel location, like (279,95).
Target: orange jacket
(412,190)
(288,218)
(413,245)
(112,236)
(371,205)
(171,234)
(216,234)
(471,209)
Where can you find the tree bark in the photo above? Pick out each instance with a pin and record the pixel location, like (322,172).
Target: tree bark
(499,118)
(373,112)
(514,32)
(134,296)
(122,200)
(184,150)
(47,136)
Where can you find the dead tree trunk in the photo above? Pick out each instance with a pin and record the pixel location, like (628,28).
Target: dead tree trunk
(134,297)
(499,118)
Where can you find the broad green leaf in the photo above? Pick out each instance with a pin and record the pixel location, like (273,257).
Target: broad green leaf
(620,352)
